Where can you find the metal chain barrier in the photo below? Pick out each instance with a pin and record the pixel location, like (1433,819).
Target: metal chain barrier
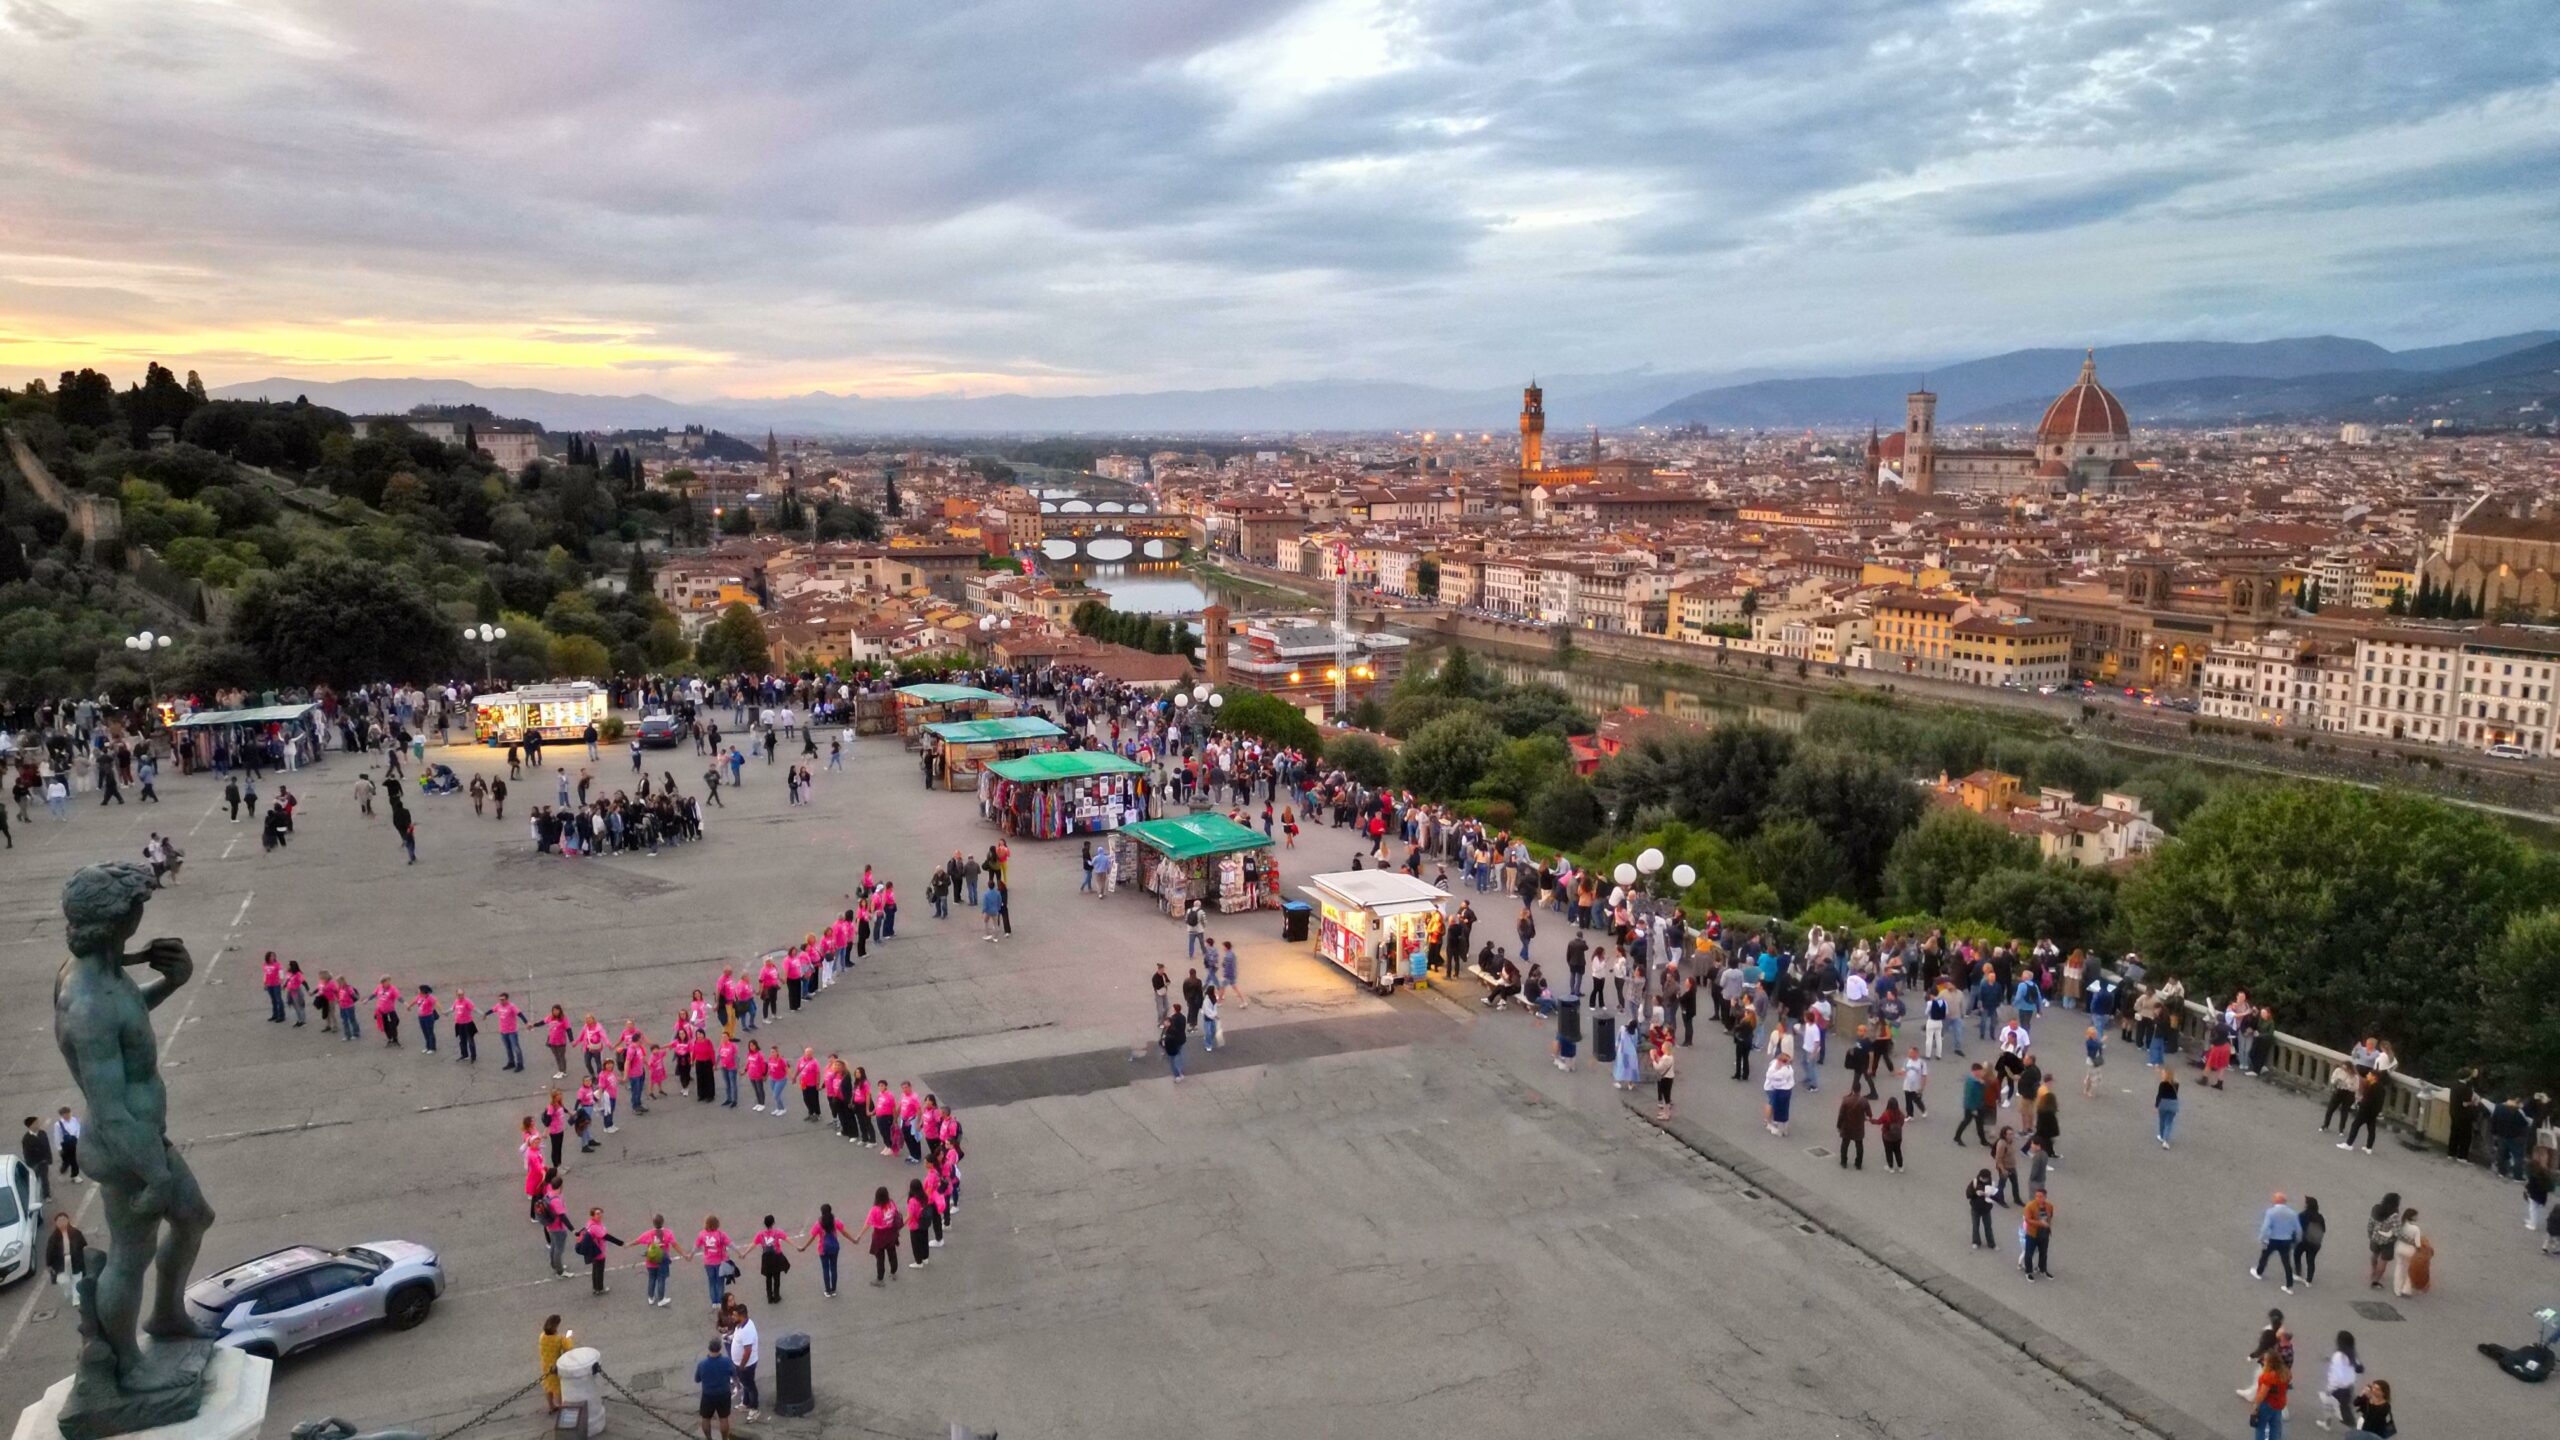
(484,1416)
(643,1406)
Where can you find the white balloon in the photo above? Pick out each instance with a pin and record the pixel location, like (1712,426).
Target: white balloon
(1626,873)
(1684,876)
(1649,861)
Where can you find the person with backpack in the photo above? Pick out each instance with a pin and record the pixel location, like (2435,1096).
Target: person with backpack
(591,1243)
(1978,1193)
(658,1254)
(2381,1233)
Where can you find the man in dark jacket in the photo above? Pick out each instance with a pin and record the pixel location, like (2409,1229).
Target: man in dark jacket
(37,1147)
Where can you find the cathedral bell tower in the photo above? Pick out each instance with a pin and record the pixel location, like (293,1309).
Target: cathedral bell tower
(1920,443)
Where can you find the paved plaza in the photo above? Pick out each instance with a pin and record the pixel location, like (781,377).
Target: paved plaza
(1359,1217)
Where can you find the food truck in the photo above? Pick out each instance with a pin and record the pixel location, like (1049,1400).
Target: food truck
(1377,924)
(554,712)
(1065,792)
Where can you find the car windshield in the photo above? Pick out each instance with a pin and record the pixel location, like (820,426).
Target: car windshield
(369,1259)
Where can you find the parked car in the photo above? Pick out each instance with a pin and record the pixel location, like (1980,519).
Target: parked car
(2511,752)
(660,732)
(21,1220)
(291,1299)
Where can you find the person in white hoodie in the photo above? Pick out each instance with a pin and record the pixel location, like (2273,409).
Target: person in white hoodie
(2338,1383)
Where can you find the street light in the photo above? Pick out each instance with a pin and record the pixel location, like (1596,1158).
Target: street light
(143,645)
(488,636)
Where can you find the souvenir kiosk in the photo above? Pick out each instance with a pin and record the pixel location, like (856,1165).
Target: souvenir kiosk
(555,712)
(923,705)
(1377,924)
(291,734)
(1065,792)
(1227,866)
(965,747)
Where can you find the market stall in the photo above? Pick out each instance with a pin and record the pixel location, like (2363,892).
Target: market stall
(290,734)
(922,705)
(1377,924)
(555,712)
(1228,866)
(958,749)
(1065,792)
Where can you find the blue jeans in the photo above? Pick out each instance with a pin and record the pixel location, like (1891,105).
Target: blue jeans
(427,1033)
(1812,1073)
(746,1013)
(2168,1119)
(729,1085)
(1174,1059)
(2266,1423)
(1209,1033)
(1190,947)
(515,1049)
(639,1083)
(2157,1051)
(657,1281)
(827,1268)
(1982,1018)
(275,1000)
(347,1020)
(719,1287)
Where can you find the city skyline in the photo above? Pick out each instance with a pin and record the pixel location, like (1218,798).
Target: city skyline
(1055,200)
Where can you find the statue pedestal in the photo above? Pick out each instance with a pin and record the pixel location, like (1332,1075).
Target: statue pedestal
(234,1405)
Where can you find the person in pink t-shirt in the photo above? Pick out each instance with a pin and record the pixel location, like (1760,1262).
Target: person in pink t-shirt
(555,1034)
(884,1117)
(591,1043)
(713,1246)
(555,1123)
(829,1236)
(768,1243)
(658,1071)
(726,1057)
(510,1021)
(859,1103)
(386,1011)
(883,1223)
(702,1056)
(916,1208)
(804,1073)
(428,1012)
(769,987)
(910,1113)
(466,1030)
(658,1254)
(271,976)
(347,1007)
(755,1073)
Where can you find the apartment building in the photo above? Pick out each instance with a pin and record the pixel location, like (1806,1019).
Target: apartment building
(2271,679)
(2408,685)
(2506,689)
(1915,633)
(2008,651)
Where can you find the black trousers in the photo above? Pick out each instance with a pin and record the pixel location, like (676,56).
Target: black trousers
(2342,1103)
(1853,1143)
(2365,1121)
(1977,1119)
(1982,1229)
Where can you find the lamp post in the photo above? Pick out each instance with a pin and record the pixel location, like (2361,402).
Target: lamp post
(143,646)
(488,636)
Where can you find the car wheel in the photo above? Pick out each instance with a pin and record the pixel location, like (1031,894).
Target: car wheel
(409,1308)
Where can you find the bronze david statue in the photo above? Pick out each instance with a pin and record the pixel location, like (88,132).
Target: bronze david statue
(156,1216)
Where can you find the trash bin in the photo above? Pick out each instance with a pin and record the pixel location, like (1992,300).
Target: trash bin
(578,1385)
(1294,918)
(791,1393)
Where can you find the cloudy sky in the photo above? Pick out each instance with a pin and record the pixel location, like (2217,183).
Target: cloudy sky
(910,196)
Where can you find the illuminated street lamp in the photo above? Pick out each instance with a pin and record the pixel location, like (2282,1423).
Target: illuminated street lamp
(143,646)
(488,637)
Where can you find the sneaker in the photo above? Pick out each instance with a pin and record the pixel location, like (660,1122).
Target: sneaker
(759,1109)
(2288,1289)
(2343,1145)
(2368,1149)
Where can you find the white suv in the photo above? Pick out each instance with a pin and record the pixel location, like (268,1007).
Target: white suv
(290,1299)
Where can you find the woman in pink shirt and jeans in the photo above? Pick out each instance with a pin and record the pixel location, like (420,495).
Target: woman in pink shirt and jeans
(713,1246)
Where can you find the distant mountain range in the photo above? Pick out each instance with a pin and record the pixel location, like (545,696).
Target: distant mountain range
(2197,382)
(2177,382)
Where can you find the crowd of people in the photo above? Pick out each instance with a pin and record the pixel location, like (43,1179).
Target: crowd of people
(711,1044)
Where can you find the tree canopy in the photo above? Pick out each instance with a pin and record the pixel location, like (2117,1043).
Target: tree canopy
(331,619)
